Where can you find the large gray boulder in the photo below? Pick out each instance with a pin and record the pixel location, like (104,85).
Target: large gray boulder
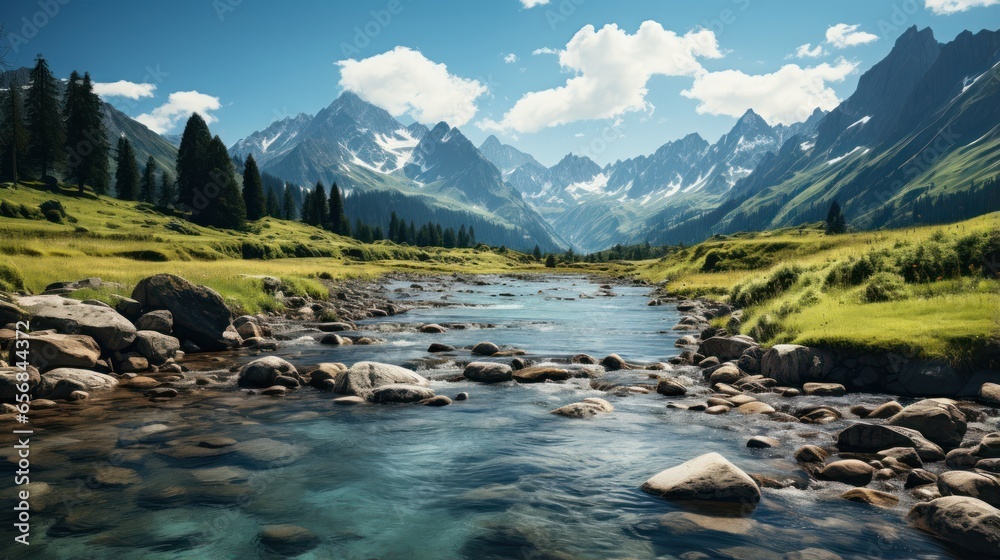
(60,383)
(263,373)
(488,372)
(709,478)
(989,394)
(977,485)
(725,348)
(790,364)
(199,313)
(937,419)
(872,438)
(401,393)
(111,330)
(967,522)
(364,377)
(52,351)
(156,347)
(161,321)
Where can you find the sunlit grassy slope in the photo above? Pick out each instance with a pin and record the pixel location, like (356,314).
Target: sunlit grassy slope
(929,291)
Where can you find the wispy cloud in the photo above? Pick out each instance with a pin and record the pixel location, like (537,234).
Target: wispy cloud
(180,105)
(510,58)
(946,7)
(808,51)
(532,3)
(843,35)
(123,88)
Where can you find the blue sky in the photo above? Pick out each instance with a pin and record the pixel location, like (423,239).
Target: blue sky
(619,91)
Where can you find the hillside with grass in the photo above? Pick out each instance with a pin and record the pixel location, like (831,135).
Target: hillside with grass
(929,292)
(48,236)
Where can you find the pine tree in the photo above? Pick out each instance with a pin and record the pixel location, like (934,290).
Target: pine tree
(13,135)
(253,190)
(463,237)
(192,169)
(86,143)
(411,234)
(394,228)
(338,219)
(273,206)
(472,236)
(550,262)
(147,185)
(127,174)
(224,208)
(835,221)
(317,208)
(46,136)
(449,238)
(288,204)
(167,196)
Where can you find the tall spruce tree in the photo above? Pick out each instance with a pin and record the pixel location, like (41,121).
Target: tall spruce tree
(13,134)
(288,204)
(167,195)
(46,136)
(192,167)
(127,174)
(86,143)
(393,227)
(338,219)
(537,253)
(318,207)
(147,185)
(224,206)
(253,190)
(463,237)
(835,221)
(273,206)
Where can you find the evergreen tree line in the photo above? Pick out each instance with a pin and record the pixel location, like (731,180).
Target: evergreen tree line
(42,134)
(979,199)
(430,234)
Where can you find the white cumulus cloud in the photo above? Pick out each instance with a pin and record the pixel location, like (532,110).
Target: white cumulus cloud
(945,7)
(843,35)
(404,81)
(122,88)
(533,3)
(808,51)
(786,96)
(544,50)
(510,58)
(611,71)
(179,106)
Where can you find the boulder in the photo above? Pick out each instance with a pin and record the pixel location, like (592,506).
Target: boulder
(937,419)
(981,486)
(726,373)
(811,454)
(11,378)
(919,477)
(364,377)
(400,393)
(130,362)
(264,372)
(962,458)
(790,364)
(584,359)
(725,348)
(762,442)
(111,330)
(288,540)
(967,522)
(161,321)
(905,455)
(989,394)
(437,401)
(670,388)
(871,497)
(333,339)
(60,383)
(614,362)
(541,374)
(755,407)
(488,372)
(586,408)
(872,438)
(887,410)
(824,389)
(11,313)
(485,349)
(848,471)
(989,446)
(686,340)
(52,351)
(199,313)
(438,347)
(709,478)
(156,346)
(433,329)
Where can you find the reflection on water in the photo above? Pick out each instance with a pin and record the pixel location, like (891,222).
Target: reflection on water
(496,476)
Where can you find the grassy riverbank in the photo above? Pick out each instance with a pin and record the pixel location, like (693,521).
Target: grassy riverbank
(123,242)
(929,292)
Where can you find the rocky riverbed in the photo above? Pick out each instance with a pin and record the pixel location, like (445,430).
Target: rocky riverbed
(558,406)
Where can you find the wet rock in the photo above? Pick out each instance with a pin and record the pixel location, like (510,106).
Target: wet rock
(905,455)
(157,347)
(709,478)
(709,362)
(919,477)
(78,395)
(59,383)
(161,321)
(791,364)
(266,451)
(437,347)
(763,442)
(130,362)
(717,410)
(262,373)
(755,408)
(670,388)
(989,465)
(216,442)
(725,348)
(52,351)
(199,313)
(583,359)
(11,313)
(462,397)
(108,328)
(937,419)
(885,411)
(488,372)
(485,349)
(115,477)
(400,393)
(989,394)
(364,377)
(686,340)
(433,329)
(275,391)
(353,399)
(967,522)
(141,382)
(871,497)
(541,374)
(977,485)
(726,373)
(162,393)
(872,438)
(989,446)
(962,458)
(614,362)
(438,401)
(288,540)
(587,408)
(333,339)
(824,389)
(819,415)
(848,471)
(811,454)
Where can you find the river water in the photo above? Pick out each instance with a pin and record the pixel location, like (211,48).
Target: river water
(495,476)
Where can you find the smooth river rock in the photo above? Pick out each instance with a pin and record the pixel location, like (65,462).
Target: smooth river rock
(488,372)
(872,438)
(967,522)
(364,377)
(936,419)
(711,478)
